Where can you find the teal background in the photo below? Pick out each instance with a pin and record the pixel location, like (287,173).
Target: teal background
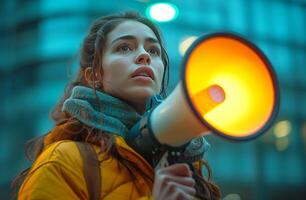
(40,40)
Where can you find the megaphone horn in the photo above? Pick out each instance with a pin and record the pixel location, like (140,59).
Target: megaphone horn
(228,87)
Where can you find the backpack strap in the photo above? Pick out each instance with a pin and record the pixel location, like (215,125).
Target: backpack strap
(91,170)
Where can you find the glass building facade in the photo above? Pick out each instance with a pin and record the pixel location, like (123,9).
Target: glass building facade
(40,41)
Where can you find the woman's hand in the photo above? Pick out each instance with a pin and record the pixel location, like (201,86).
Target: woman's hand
(173,183)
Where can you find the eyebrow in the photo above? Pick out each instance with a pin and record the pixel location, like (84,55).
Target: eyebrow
(131,37)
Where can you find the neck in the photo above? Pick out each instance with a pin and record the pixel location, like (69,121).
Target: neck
(139,107)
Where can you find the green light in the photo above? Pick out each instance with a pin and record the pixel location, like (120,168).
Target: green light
(162,12)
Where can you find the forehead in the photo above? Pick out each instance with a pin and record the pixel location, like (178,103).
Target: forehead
(134,28)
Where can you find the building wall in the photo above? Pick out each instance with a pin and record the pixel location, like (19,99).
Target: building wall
(40,41)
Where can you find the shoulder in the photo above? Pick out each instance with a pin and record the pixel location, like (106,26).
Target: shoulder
(60,148)
(56,174)
(63,153)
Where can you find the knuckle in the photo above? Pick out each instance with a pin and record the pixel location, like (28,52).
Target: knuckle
(170,186)
(193,191)
(192,182)
(180,195)
(164,178)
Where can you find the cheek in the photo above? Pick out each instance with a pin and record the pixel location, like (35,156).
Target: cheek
(160,70)
(114,75)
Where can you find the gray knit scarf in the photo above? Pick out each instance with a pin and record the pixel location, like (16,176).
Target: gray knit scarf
(114,116)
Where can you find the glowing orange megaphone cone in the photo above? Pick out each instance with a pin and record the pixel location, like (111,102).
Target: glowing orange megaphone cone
(228,86)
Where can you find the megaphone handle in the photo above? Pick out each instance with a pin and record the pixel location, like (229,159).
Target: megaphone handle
(161,155)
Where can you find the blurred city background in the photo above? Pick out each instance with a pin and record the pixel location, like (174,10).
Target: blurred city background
(40,40)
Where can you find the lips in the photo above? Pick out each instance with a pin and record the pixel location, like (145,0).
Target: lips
(143,72)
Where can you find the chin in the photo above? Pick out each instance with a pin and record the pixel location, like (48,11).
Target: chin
(144,93)
(141,92)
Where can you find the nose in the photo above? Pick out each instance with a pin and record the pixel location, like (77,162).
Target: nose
(143,58)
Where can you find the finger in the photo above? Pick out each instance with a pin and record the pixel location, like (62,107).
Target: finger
(187,190)
(184,196)
(178,190)
(187,181)
(180,169)
(187,197)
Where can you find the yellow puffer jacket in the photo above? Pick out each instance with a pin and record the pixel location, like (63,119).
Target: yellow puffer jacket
(58,174)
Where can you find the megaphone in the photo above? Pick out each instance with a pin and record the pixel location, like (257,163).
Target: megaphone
(227,87)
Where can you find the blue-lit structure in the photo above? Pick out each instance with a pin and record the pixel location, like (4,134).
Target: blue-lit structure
(39,54)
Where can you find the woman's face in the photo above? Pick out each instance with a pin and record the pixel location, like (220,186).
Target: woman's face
(132,64)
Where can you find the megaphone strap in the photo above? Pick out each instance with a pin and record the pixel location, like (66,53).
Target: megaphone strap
(190,153)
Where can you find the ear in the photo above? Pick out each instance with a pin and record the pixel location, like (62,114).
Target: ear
(93,77)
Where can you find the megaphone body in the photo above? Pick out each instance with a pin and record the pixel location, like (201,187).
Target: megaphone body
(173,122)
(227,87)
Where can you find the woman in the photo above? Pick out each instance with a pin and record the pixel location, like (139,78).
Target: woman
(123,62)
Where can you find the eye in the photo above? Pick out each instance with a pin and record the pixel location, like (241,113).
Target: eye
(124,48)
(154,51)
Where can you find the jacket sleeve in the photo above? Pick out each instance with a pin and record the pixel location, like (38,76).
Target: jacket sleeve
(56,177)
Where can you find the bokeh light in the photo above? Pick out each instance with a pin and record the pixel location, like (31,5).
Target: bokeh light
(185,44)
(282,129)
(282,144)
(162,12)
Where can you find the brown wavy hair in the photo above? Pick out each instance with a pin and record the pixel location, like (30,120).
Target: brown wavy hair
(91,56)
